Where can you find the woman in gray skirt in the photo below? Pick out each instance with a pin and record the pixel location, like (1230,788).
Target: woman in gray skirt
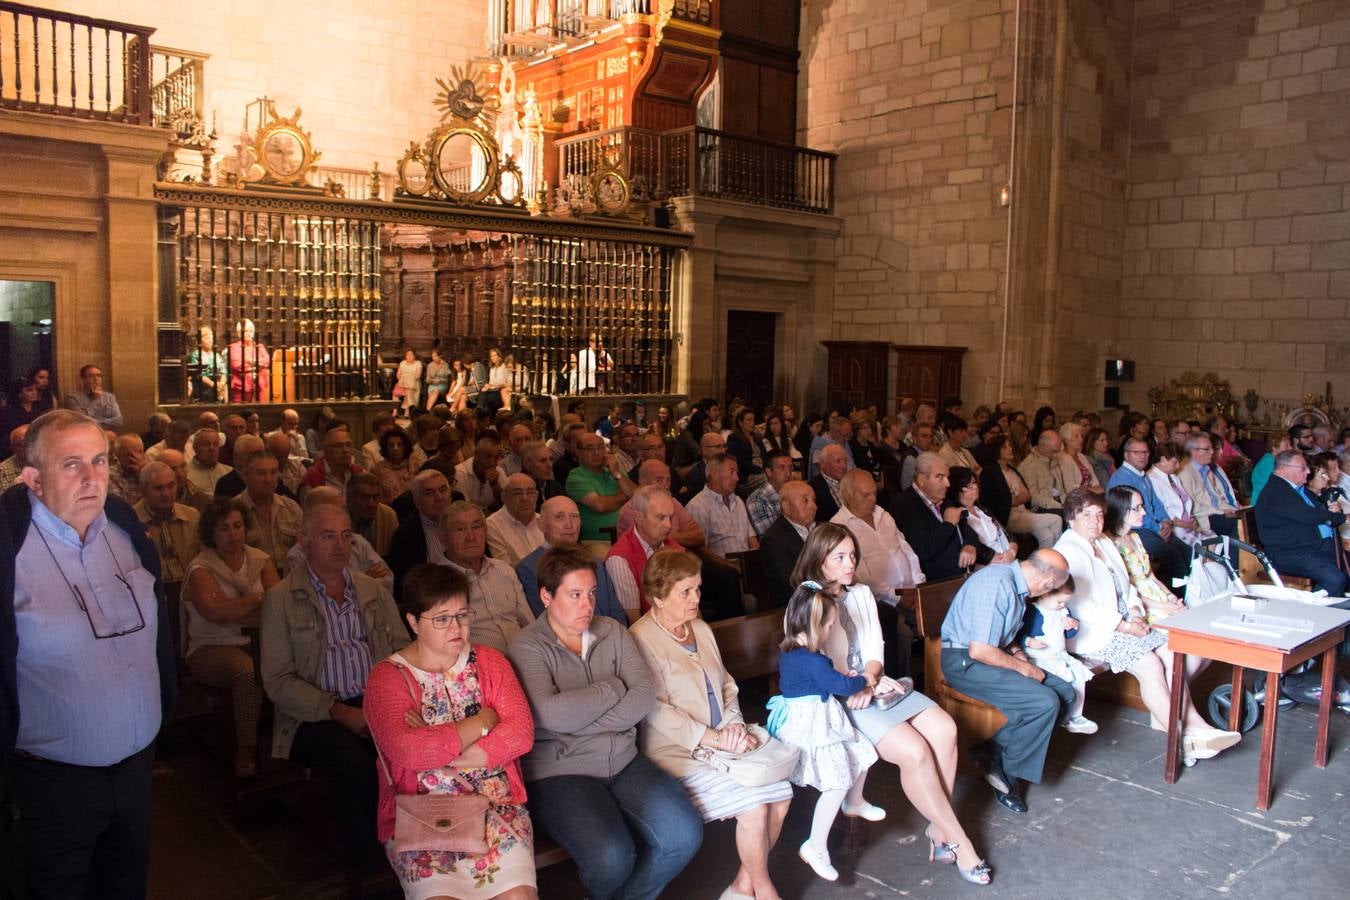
(914,734)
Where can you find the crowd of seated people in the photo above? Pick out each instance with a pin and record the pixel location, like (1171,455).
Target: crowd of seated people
(485,602)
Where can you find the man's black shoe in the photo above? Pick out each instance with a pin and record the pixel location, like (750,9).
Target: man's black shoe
(1011,799)
(988,756)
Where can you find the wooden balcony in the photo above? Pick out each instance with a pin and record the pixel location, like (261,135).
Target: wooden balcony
(702,162)
(71,65)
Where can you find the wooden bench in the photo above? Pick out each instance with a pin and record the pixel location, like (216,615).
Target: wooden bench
(976,720)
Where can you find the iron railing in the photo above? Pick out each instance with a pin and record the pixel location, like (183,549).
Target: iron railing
(73,65)
(702,162)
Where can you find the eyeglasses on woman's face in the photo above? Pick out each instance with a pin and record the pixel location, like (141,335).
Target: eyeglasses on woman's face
(462,620)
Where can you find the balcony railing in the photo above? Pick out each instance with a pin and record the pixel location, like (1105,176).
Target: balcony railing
(701,162)
(72,65)
(526,27)
(177,91)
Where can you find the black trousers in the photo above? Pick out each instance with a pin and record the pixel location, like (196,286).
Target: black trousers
(84,831)
(347,761)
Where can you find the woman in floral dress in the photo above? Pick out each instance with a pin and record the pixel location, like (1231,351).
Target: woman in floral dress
(448,716)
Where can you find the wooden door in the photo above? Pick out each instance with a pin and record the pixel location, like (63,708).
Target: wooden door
(750,352)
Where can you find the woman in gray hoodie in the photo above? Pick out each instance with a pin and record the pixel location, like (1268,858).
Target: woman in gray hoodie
(629,826)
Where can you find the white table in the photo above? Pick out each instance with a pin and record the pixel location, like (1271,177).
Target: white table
(1194,632)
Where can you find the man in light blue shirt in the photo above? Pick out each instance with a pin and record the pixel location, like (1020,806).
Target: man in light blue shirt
(92,667)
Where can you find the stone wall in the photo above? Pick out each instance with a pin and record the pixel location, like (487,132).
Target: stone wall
(364,73)
(1238,245)
(915,99)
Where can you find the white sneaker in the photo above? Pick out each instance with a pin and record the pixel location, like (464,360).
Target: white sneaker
(1080,725)
(864,810)
(819,860)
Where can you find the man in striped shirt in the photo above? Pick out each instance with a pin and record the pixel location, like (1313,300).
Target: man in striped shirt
(323,627)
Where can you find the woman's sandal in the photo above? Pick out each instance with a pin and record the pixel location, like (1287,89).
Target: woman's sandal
(939,852)
(980,873)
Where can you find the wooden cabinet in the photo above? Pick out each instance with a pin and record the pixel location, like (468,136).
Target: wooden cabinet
(858,375)
(928,374)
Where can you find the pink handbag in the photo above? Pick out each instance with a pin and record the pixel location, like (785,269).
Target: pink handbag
(450,822)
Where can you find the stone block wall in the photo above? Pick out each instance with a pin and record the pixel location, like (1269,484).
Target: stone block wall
(914,96)
(364,73)
(1237,254)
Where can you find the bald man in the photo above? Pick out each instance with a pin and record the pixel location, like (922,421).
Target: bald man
(513,531)
(516,439)
(560,520)
(783,540)
(981,658)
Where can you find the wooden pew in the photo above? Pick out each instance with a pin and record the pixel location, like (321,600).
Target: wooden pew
(975,720)
(749,644)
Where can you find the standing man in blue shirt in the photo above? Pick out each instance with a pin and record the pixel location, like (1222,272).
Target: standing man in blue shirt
(981,658)
(86,669)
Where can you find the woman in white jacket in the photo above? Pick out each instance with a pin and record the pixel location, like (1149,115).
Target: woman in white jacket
(1113,626)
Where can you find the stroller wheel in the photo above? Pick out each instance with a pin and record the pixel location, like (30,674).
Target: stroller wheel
(1221,702)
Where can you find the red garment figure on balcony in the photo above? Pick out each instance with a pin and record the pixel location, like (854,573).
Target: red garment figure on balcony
(250,366)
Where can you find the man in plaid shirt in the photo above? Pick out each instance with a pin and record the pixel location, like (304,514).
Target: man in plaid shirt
(763,504)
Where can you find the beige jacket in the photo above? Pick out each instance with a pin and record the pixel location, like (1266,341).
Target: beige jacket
(294,639)
(681,715)
(1045,480)
(1073,475)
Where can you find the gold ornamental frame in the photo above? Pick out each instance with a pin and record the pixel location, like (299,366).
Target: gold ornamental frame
(263,152)
(414,156)
(486,146)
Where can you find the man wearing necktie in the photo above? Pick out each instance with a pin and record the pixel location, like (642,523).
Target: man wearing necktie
(1211,491)
(1297,531)
(1166,552)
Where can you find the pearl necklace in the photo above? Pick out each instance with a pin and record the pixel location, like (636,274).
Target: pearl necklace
(688,632)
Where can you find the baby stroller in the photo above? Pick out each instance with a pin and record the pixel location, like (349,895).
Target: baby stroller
(1213,577)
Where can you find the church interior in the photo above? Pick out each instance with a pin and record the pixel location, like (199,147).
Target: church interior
(1119,209)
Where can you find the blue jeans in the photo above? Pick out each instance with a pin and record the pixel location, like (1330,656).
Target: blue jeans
(629,835)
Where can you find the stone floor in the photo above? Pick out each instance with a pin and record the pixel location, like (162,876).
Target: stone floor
(1103,824)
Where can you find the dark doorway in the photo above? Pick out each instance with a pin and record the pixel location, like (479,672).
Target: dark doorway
(750,350)
(26,312)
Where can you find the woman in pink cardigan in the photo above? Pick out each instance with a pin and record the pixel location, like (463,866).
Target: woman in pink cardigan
(449,716)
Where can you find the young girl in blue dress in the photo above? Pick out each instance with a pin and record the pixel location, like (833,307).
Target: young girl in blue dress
(834,756)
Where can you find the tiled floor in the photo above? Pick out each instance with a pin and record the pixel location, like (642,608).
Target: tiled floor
(1103,825)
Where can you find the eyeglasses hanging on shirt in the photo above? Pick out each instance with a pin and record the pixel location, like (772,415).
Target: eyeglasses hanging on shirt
(84,604)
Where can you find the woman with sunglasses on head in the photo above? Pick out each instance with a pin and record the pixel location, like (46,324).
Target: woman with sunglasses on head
(449,717)
(913,733)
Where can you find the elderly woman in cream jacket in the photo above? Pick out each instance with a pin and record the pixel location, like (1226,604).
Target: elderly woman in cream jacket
(1113,626)
(696,707)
